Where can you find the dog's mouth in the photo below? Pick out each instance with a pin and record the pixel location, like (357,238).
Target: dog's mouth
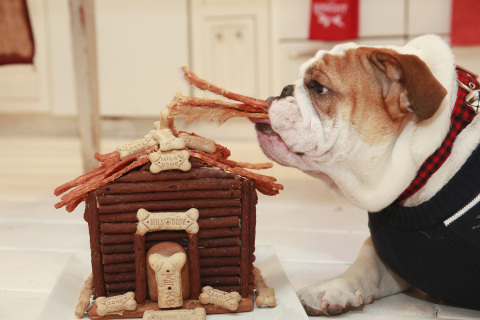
(264,120)
(264,127)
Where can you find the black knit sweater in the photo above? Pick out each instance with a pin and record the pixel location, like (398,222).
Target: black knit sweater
(431,252)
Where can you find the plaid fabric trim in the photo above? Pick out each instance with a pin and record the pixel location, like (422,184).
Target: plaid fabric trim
(462,115)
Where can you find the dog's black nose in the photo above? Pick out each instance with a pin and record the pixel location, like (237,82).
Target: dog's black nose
(270,100)
(287,91)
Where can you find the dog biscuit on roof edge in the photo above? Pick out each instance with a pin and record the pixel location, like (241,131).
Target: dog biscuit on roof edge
(161,179)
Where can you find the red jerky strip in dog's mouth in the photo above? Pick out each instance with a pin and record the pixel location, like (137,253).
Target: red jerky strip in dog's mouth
(200,108)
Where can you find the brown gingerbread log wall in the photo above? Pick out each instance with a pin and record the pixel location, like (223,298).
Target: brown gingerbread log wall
(227,218)
(91,212)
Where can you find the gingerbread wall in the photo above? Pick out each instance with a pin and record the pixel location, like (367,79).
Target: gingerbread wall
(220,255)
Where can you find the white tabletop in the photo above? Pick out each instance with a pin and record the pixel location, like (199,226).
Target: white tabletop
(315,235)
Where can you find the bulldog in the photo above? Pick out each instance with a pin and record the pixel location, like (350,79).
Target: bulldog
(394,130)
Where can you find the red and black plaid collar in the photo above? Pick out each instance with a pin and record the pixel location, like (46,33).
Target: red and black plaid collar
(462,115)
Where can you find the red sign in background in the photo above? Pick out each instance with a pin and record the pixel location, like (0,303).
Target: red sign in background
(334,20)
(465,28)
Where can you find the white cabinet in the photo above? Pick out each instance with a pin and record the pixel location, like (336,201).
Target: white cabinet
(230,44)
(253,47)
(142,45)
(229,52)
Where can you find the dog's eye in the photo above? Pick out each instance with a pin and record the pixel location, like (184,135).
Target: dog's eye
(317,87)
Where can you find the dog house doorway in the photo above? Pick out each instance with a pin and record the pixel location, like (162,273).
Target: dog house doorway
(173,239)
(168,274)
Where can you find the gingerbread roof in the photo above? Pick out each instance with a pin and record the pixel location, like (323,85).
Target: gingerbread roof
(161,150)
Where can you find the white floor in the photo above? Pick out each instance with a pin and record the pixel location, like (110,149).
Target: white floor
(315,235)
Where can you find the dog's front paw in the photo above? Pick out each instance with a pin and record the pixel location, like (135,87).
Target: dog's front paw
(331,297)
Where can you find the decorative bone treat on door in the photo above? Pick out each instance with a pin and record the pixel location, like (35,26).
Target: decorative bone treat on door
(166,250)
(169,281)
(205,208)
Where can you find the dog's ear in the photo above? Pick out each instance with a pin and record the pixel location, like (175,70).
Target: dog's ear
(420,92)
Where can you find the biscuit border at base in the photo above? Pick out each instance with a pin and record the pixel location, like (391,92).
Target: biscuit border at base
(245,305)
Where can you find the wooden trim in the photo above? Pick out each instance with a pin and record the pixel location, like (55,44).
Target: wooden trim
(91,211)
(82,15)
(253,224)
(244,238)
(140,269)
(194,266)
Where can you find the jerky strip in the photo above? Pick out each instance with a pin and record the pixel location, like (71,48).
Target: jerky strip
(192,78)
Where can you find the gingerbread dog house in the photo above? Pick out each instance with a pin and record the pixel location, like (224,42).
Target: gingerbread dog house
(208,212)
(168,216)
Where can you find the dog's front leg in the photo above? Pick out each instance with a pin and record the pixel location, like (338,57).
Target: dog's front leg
(367,279)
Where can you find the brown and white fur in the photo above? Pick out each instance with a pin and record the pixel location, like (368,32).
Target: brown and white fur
(364,119)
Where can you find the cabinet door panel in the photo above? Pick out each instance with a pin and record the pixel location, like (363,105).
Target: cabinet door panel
(230,54)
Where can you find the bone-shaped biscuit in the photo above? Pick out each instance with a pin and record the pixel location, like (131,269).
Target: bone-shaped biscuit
(84,298)
(166,122)
(265,294)
(116,303)
(136,147)
(167,140)
(169,160)
(258,278)
(169,278)
(265,297)
(227,300)
(184,314)
(155,221)
(198,143)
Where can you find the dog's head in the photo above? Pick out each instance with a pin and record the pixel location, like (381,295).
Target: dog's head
(353,117)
